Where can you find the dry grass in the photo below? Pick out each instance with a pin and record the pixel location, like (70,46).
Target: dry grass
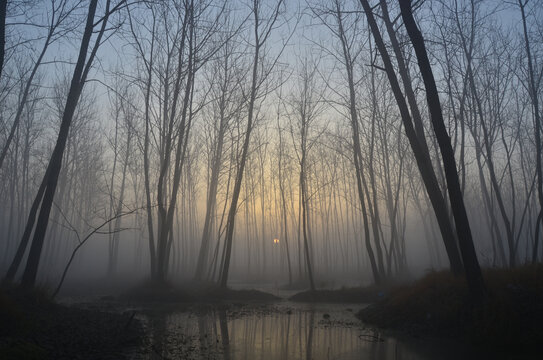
(438,304)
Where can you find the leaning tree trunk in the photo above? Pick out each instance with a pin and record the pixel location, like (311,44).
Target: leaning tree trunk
(436,197)
(55,163)
(471,264)
(422,158)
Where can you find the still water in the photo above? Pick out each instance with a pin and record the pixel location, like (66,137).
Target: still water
(268,332)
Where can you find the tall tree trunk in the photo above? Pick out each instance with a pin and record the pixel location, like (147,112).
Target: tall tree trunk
(471,264)
(305,224)
(239,176)
(377,270)
(12,270)
(166,210)
(146,140)
(534,95)
(259,39)
(112,208)
(55,163)
(422,158)
(113,258)
(214,179)
(283,199)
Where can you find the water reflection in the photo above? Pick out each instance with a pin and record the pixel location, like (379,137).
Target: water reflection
(224,333)
(266,333)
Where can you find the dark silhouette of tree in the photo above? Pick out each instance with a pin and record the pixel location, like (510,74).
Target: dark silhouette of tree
(44,199)
(422,157)
(262,30)
(533,90)
(471,264)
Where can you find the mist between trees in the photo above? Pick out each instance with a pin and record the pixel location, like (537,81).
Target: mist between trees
(330,142)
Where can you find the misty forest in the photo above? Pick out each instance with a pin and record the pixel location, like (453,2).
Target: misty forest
(272,179)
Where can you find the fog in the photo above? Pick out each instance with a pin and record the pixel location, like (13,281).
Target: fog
(178,175)
(203,128)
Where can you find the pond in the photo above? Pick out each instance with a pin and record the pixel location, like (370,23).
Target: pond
(283,330)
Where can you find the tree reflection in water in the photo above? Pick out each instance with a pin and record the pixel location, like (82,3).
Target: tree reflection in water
(266,333)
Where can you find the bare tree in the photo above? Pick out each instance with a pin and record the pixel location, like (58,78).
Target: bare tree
(44,199)
(226,106)
(281,167)
(348,55)
(59,25)
(262,31)
(124,110)
(422,157)
(534,81)
(471,264)
(306,105)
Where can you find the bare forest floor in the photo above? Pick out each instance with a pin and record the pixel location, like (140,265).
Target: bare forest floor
(438,305)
